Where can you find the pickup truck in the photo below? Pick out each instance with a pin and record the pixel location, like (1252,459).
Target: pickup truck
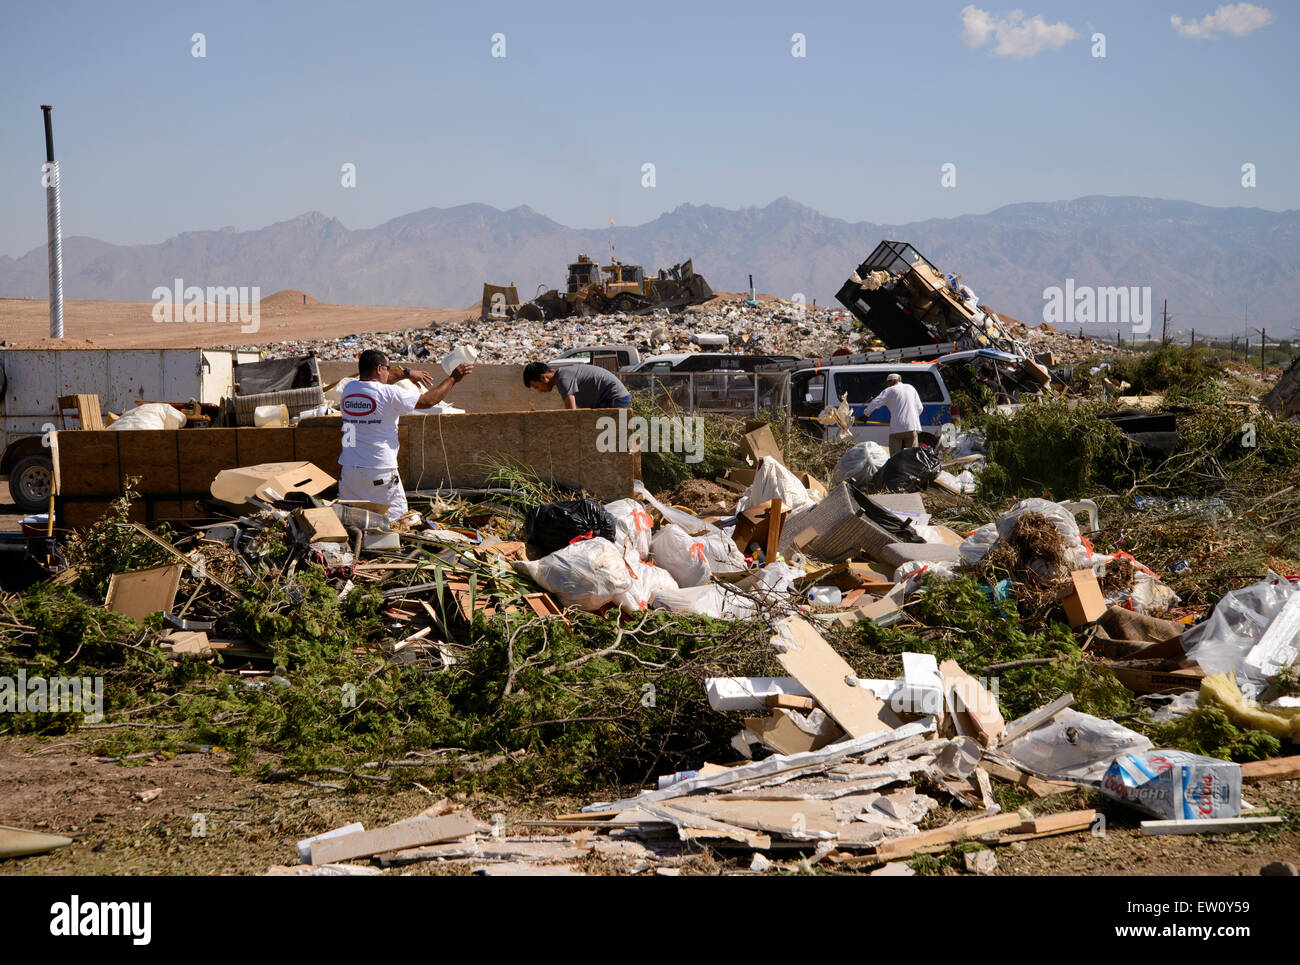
(32,380)
(612,357)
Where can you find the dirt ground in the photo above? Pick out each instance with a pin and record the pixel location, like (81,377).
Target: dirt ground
(283,316)
(57,786)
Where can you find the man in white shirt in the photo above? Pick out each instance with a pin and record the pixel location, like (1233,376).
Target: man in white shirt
(904,404)
(371,406)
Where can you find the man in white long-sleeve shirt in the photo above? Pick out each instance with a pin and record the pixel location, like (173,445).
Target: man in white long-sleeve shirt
(904,404)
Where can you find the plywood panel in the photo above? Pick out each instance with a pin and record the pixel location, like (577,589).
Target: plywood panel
(202,454)
(150,454)
(88,463)
(319,444)
(256,446)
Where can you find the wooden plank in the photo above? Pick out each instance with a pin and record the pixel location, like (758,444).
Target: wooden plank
(404,834)
(822,672)
(1209,826)
(1273,769)
(1058,823)
(774,520)
(948,834)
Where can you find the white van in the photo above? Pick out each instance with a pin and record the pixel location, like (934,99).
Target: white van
(813,389)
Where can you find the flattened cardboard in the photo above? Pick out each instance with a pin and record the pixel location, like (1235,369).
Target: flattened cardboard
(270,481)
(812,661)
(1083,603)
(145,591)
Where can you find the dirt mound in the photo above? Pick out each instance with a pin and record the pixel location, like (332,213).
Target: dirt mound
(702,497)
(289,298)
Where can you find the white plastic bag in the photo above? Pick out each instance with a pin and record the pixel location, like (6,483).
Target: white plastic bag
(587,574)
(1224,643)
(682,555)
(911,573)
(710,600)
(151,415)
(1075,747)
(634,525)
(721,552)
(774,481)
(649,580)
(859,464)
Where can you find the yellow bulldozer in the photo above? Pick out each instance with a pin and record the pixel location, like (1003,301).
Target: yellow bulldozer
(594,289)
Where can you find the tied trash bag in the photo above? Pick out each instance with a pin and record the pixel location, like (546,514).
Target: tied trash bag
(586,575)
(909,471)
(635,527)
(682,555)
(859,464)
(648,582)
(710,600)
(553,525)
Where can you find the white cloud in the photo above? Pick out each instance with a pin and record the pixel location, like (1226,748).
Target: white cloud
(976,26)
(1237,19)
(1017,38)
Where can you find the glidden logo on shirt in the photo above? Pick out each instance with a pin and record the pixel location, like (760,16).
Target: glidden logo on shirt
(358,405)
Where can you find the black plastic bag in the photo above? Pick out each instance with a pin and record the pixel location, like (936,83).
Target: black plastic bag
(553,526)
(909,471)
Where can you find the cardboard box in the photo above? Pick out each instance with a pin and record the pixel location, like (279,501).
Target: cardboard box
(1083,602)
(321,525)
(270,481)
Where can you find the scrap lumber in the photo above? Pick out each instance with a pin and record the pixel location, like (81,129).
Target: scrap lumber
(792,819)
(940,837)
(1035,718)
(1036,786)
(19,842)
(1273,769)
(1050,824)
(145,532)
(972,703)
(777,766)
(1211,825)
(826,675)
(396,837)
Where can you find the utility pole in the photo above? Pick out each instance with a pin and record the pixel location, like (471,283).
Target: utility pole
(54,227)
(1164,325)
(1263,343)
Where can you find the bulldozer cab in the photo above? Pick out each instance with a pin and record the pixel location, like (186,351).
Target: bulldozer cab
(623,278)
(582,273)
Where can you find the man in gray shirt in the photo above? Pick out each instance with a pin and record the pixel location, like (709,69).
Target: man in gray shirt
(581,386)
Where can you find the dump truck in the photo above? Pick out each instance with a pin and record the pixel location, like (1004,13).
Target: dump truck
(37,384)
(594,289)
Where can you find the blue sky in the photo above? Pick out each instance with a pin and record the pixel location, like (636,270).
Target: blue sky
(153,141)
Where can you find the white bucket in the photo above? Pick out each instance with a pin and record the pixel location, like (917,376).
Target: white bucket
(271,415)
(460,355)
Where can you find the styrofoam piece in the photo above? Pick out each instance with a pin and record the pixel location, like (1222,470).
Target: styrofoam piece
(749,693)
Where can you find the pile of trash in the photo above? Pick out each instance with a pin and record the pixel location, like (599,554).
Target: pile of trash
(772,327)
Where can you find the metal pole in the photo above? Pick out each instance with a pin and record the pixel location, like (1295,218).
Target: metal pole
(54,228)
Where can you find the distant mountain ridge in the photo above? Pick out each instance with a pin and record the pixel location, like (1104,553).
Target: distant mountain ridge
(1211,263)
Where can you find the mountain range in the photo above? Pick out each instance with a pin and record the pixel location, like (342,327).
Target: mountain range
(1212,264)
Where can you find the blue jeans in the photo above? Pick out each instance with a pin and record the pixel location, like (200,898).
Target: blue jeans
(623,403)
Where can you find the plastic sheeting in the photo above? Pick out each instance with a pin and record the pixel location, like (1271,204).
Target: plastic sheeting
(1075,746)
(151,415)
(1240,637)
(774,481)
